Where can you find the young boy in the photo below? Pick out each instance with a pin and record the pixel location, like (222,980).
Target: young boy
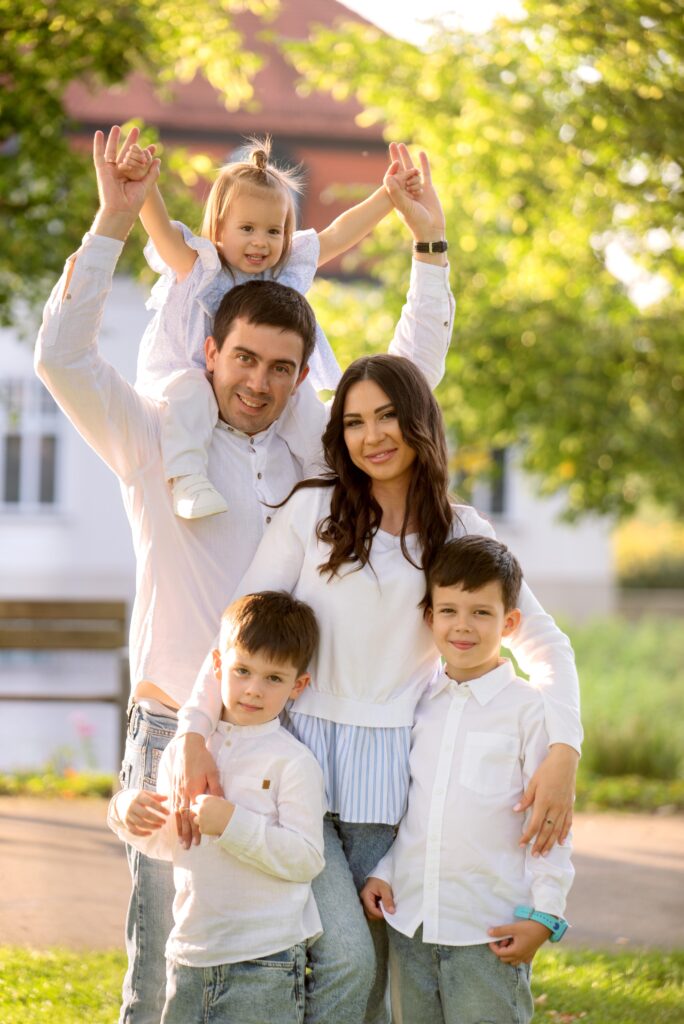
(243,910)
(456,868)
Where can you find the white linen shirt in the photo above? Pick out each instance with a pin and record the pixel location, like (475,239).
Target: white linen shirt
(376,654)
(455,865)
(247,893)
(187,570)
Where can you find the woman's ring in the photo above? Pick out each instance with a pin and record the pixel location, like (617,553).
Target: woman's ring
(549,821)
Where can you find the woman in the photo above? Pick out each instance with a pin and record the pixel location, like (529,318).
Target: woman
(353,545)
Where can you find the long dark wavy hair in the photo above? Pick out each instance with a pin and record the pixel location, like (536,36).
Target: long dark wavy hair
(355,515)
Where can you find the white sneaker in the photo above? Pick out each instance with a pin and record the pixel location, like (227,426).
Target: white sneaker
(194,496)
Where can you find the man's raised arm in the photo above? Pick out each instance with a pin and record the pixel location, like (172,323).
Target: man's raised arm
(424,329)
(103,407)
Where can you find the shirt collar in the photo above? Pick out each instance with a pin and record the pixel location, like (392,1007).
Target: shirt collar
(485,688)
(253,439)
(227,728)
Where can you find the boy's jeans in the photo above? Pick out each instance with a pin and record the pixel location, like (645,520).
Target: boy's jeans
(349,961)
(149,919)
(265,991)
(455,984)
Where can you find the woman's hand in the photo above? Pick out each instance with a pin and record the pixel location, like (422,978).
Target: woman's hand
(552,794)
(422,214)
(194,773)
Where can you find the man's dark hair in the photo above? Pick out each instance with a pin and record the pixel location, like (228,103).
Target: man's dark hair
(267,303)
(274,624)
(473,561)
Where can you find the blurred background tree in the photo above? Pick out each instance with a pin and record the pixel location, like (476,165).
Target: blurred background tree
(46,186)
(556,145)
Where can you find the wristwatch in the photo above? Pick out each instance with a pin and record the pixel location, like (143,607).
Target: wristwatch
(558,926)
(430,246)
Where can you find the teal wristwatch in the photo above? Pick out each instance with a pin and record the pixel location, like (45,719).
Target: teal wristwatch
(558,926)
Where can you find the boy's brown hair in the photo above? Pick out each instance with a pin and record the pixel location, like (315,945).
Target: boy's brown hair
(471,562)
(272,623)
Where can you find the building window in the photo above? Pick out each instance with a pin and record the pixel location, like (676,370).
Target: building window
(490,495)
(29,446)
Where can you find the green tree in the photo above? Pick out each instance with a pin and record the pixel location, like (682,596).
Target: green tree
(46,185)
(556,143)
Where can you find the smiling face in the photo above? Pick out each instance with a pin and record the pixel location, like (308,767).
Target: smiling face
(467,627)
(254,687)
(255,373)
(252,233)
(373,436)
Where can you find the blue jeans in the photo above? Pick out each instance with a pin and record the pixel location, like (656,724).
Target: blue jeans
(348,983)
(265,991)
(455,984)
(149,919)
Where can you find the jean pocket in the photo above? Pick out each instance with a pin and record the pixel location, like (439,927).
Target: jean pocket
(152,758)
(489,760)
(125,773)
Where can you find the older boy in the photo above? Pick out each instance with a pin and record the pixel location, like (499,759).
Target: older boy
(244,909)
(456,868)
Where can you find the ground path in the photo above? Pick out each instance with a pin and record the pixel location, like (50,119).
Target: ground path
(64,879)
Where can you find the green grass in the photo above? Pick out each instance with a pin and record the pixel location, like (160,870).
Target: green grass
(596,988)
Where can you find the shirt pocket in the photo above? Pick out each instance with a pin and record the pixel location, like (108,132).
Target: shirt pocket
(489,760)
(254,793)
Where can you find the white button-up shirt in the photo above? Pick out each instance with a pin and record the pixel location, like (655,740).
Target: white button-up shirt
(187,570)
(246,893)
(455,865)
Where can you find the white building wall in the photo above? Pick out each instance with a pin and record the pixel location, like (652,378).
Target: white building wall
(81,547)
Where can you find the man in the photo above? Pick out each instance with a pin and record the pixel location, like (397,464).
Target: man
(188,569)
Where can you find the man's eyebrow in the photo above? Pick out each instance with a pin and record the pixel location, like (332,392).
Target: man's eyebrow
(256,355)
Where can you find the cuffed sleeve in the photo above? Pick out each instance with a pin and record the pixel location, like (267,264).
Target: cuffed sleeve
(424,330)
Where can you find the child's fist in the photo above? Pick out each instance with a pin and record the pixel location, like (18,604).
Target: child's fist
(135,162)
(212,813)
(375,892)
(519,942)
(140,811)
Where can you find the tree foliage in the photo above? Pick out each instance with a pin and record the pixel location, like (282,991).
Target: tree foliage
(46,186)
(556,145)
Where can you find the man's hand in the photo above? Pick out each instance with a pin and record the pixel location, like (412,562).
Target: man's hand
(120,199)
(140,811)
(552,792)
(212,814)
(375,892)
(194,773)
(523,940)
(422,214)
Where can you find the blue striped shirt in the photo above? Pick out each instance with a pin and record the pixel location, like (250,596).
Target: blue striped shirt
(366,770)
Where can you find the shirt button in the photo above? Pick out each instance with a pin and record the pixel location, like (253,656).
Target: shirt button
(253,451)
(258,476)
(268,519)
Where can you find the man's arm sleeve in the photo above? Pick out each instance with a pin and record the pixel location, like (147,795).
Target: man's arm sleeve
(105,409)
(424,330)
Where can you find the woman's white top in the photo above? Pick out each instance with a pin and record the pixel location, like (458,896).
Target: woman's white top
(185,311)
(376,653)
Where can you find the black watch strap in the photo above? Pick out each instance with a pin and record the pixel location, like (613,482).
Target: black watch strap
(430,246)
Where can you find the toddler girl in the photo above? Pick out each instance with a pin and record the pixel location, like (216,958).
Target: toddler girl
(247,233)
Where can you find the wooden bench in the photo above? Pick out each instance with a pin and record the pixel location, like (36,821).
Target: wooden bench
(27,625)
